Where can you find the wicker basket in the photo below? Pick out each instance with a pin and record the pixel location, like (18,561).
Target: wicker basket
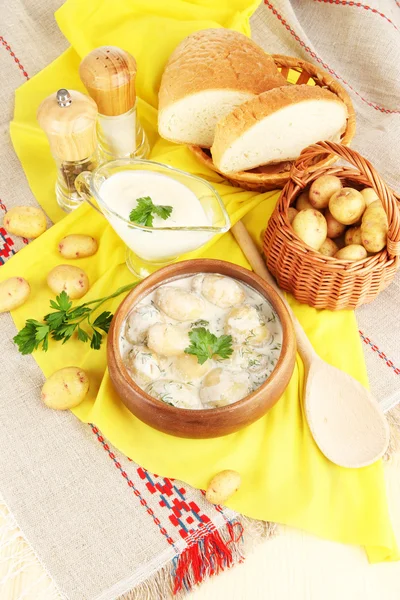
(272,177)
(321,281)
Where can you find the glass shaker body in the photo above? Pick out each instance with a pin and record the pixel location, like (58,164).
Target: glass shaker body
(121,136)
(67,171)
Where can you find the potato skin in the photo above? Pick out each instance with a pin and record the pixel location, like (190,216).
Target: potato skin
(347,206)
(222,486)
(369,196)
(353,236)
(77,246)
(310,225)
(14,292)
(322,189)
(353,253)
(303,202)
(374,227)
(328,248)
(25,221)
(70,279)
(65,388)
(335,229)
(292,212)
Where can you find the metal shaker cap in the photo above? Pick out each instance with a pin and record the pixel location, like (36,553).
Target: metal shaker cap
(63,97)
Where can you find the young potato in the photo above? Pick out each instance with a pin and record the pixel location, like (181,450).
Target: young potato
(144,363)
(139,320)
(353,252)
(353,236)
(222,486)
(221,387)
(222,291)
(322,189)
(25,221)
(66,388)
(302,202)
(167,339)
(14,292)
(369,196)
(334,228)
(347,206)
(187,367)
(77,246)
(328,248)
(72,280)
(175,393)
(374,227)
(244,323)
(179,304)
(292,212)
(310,225)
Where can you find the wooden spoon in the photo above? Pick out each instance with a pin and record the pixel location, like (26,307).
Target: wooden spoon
(345,420)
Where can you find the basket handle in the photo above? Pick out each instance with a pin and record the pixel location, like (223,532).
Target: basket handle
(386,195)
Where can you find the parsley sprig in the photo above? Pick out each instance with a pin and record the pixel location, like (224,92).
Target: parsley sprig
(145,210)
(65,321)
(205,344)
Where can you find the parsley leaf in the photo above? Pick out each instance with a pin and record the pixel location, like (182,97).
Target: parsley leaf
(103,321)
(145,209)
(205,344)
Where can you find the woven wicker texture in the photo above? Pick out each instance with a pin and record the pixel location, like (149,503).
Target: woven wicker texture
(321,281)
(272,177)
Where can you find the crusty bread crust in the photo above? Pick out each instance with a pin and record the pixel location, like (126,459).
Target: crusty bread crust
(244,116)
(217,59)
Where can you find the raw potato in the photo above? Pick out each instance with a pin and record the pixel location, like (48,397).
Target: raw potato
(374,227)
(69,279)
(328,248)
(369,196)
(322,189)
(310,226)
(303,202)
(353,236)
(222,486)
(14,292)
(292,212)
(65,389)
(335,229)
(25,221)
(77,246)
(347,206)
(353,252)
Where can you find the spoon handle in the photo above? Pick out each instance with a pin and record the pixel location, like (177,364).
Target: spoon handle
(258,265)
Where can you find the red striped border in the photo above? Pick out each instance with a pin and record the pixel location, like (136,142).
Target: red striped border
(12,54)
(382,355)
(359,5)
(271,7)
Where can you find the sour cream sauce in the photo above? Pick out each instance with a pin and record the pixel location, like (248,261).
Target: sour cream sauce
(152,342)
(120,193)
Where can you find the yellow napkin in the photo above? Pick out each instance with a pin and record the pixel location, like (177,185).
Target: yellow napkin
(285,477)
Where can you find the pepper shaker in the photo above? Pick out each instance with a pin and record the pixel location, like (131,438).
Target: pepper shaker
(69,120)
(109,75)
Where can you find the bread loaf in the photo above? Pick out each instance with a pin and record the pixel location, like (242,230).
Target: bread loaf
(207,75)
(276,126)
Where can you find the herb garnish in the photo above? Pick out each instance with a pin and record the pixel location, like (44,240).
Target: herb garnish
(65,321)
(145,210)
(205,344)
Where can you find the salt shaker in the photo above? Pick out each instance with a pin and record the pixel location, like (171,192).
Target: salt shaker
(69,120)
(109,74)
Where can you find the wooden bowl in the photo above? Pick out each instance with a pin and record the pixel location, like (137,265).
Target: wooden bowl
(206,423)
(275,176)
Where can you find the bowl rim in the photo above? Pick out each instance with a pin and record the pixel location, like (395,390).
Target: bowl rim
(288,336)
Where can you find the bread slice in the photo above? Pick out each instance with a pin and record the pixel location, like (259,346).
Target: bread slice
(276,126)
(207,75)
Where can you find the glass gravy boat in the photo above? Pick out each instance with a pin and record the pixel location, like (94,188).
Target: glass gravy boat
(149,248)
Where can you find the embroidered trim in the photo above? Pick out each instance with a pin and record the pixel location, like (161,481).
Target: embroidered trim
(359,5)
(381,354)
(318,59)
(11,53)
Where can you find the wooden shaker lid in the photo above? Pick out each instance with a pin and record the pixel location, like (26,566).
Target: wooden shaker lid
(109,74)
(69,119)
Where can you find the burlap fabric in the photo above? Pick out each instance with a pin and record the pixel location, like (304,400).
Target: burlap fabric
(99,524)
